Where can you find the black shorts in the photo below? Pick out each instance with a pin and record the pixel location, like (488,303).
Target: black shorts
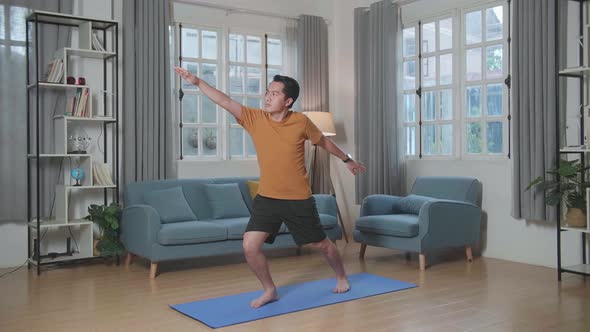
(300,216)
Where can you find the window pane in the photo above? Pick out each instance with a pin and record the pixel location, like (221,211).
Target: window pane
(236,79)
(473,64)
(410,141)
(473,27)
(410,108)
(193,67)
(17,26)
(250,149)
(446,139)
(429,140)
(271,74)
(236,141)
(494,137)
(409,75)
(2,18)
(429,105)
(445,30)
(446,69)
(473,101)
(209,74)
(236,48)
(275,52)
(446,104)
(209,141)
(254,102)
(190,104)
(474,137)
(190,142)
(494,61)
(409,43)
(209,50)
(494,99)
(254,50)
(429,72)
(494,20)
(190,43)
(254,81)
(209,110)
(428,37)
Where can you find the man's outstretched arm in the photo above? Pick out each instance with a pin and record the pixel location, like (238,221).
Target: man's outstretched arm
(218,97)
(354,167)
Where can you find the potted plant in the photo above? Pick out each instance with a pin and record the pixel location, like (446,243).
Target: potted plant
(570,188)
(107,219)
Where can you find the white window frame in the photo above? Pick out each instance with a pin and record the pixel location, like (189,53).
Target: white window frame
(412,124)
(223,125)
(459,81)
(503,118)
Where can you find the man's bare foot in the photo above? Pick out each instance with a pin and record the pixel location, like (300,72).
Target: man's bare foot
(267,297)
(342,286)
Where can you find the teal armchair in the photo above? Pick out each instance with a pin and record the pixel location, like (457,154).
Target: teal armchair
(439,212)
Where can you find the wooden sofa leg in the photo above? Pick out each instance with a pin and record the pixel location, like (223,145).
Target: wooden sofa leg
(153,270)
(128,259)
(469,253)
(363,248)
(422,262)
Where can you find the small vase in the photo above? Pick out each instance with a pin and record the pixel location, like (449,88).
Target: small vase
(575,217)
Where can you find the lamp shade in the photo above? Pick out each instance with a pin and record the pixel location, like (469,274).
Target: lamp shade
(324,121)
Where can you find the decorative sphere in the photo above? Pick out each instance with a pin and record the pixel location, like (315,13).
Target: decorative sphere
(77,173)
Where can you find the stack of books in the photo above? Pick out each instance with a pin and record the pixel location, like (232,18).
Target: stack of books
(101,174)
(55,71)
(77,104)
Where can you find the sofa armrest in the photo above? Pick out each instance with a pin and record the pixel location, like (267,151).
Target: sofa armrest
(140,225)
(379,204)
(326,204)
(446,223)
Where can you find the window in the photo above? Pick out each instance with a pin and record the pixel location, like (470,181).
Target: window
(485,117)
(200,51)
(250,63)
(13,30)
(457,96)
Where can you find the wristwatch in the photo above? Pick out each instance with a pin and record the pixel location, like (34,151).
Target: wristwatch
(348,158)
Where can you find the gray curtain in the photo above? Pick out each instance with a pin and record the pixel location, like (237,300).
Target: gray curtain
(534,102)
(148,117)
(377,50)
(13,109)
(313,68)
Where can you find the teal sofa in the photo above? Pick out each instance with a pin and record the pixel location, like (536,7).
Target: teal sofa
(155,226)
(440,212)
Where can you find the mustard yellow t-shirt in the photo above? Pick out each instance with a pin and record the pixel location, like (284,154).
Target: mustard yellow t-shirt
(281,152)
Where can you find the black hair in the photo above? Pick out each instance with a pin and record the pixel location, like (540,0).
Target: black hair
(291,87)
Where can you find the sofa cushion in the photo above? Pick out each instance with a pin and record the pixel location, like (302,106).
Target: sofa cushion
(411,204)
(170,204)
(235,227)
(226,201)
(190,232)
(328,221)
(253,186)
(400,225)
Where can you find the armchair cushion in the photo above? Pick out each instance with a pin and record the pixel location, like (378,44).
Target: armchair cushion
(400,225)
(411,204)
(170,204)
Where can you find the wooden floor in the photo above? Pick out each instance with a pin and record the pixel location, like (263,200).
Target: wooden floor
(453,295)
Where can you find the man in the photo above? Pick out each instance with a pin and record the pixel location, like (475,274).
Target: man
(284,194)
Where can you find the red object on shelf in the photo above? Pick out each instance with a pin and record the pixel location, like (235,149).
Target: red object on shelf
(81,81)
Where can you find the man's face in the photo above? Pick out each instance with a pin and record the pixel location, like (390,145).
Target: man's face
(275,99)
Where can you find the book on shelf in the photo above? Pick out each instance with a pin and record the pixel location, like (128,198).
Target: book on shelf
(96,44)
(55,71)
(101,174)
(77,104)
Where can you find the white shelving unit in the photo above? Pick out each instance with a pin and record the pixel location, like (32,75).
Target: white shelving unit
(581,73)
(82,237)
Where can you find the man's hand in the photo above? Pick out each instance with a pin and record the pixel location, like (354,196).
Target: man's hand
(187,75)
(355,167)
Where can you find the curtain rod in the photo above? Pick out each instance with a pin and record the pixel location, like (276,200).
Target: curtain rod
(231,10)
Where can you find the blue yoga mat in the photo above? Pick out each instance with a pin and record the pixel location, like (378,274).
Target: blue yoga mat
(235,309)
